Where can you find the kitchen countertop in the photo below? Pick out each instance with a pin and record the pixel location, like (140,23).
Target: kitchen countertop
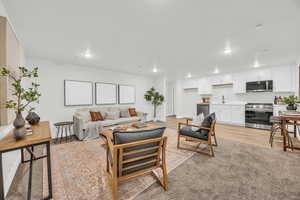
(230,103)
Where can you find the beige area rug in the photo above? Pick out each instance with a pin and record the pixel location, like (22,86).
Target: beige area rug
(79,170)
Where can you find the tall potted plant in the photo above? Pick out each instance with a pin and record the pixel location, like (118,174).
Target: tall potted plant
(24,96)
(291,102)
(154,98)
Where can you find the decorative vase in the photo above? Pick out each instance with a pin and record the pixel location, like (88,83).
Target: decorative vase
(292,107)
(20,133)
(33,118)
(19,124)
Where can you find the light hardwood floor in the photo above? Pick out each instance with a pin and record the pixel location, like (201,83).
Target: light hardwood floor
(241,134)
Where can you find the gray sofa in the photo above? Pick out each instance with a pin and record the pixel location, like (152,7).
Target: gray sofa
(85,128)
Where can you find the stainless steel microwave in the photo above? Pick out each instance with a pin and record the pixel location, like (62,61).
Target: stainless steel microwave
(259,86)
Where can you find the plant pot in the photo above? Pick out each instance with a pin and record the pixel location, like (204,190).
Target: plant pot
(19,124)
(20,133)
(32,118)
(291,107)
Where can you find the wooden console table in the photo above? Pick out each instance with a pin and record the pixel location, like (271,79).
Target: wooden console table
(40,136)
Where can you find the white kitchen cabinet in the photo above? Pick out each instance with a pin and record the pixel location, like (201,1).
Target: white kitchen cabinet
(218,110)
(190,84)
(239,83)
(284,79)
(204,86)
(258,75)
(221,79)
(238,114)
(229,114)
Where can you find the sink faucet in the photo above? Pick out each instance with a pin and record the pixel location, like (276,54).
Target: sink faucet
(223,99)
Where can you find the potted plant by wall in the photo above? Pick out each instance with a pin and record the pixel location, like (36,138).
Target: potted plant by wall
(23,96)
(155,99)
(291,102)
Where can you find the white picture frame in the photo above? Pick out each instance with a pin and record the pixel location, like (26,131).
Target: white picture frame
(78,93)
(126,94)
(106,93)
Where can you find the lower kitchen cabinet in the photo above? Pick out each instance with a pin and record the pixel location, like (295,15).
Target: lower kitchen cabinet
(238,114)
(229,113)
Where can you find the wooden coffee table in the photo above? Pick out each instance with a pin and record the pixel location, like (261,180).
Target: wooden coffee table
(108,132)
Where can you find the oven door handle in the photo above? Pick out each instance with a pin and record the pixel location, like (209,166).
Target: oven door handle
(263,111)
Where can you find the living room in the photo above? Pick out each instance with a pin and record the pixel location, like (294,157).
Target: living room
(213,85)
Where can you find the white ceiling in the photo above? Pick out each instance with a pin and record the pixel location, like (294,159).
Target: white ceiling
(179,36)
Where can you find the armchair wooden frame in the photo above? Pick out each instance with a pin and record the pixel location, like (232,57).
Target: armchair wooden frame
(211,134)
(115,161)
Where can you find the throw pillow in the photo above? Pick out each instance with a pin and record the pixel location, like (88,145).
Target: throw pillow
(112,115)
(207,122)
(96,116)
(132,112)
(197,121)
(124,113)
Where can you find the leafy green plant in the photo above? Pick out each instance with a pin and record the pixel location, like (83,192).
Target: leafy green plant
(24,96)
(154,98)
(290,100)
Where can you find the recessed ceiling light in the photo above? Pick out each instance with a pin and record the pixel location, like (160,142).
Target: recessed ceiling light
(216,71)
(189,75)
(256,64)
(227,51)
(154,69)
(87,54)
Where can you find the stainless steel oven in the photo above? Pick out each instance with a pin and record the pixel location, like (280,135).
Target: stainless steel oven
(258,115)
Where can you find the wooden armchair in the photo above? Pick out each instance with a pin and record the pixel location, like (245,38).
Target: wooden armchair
(133,155)
(203,135)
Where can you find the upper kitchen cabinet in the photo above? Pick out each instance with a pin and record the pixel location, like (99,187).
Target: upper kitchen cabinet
(258,75)
(239,83)
(284,79)
(204,86)
(221,79)
(190,84)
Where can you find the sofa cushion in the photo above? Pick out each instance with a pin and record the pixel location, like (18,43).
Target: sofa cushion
(124,113)
(96,116)
(109,122)
(113,115)
(84,114)
(102,110)
(133,136)
(197,121)
(132,112)
(187,130)
(128,119)
(113,109)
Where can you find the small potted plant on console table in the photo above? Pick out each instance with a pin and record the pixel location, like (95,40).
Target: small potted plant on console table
(291,102)
(23,96)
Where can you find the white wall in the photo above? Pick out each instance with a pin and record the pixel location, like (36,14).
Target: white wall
(12,159)
(51,79)
(2,9)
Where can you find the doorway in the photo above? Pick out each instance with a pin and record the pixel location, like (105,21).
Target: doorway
(170,99)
